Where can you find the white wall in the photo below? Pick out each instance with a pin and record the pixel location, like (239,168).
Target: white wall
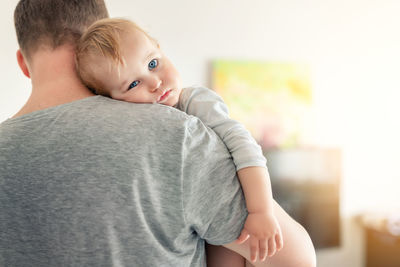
(352,47)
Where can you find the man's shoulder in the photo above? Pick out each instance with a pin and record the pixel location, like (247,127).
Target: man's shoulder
(110,109)
(103,112)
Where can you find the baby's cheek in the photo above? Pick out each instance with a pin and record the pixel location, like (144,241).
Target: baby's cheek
(173,74)
(170,75)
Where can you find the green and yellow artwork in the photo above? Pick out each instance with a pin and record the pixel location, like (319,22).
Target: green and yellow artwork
(272,99)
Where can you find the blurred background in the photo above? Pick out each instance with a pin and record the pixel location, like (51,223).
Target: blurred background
(333,154)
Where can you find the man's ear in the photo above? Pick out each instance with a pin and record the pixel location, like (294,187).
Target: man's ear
(22,64)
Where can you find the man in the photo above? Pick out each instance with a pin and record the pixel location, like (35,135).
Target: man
(83,183)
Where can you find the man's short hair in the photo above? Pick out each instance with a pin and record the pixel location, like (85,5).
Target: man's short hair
(54,23)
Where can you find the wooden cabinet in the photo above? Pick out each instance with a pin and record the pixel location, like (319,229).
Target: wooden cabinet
(382,249)
(306,183)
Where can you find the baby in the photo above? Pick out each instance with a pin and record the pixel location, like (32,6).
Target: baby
(116,58)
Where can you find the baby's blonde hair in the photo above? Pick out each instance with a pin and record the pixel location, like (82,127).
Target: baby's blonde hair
(102,39)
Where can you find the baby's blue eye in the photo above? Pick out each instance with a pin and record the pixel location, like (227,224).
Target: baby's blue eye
(153,64)
(133,84)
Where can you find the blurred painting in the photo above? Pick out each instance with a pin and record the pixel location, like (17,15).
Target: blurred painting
(272,99)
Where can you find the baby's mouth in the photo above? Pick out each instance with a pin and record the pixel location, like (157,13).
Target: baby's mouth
(164,96)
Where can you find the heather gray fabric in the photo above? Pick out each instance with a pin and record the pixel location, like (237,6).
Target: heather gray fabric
(99,182)
(213,112)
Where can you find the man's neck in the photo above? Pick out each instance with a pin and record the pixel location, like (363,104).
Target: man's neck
(54,80)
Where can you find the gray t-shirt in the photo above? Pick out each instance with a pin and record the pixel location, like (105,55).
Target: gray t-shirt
(208,106)
(99,182)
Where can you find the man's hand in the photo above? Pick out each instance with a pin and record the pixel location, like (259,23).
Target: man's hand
(265,235)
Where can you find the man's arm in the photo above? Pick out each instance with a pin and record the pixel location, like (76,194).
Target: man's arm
(298,250)
(214,204)
(261,225)
(213,201)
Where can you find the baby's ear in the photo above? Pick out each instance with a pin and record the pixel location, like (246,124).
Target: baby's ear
(22,63)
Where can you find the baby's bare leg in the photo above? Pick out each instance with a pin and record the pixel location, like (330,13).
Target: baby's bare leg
(297,251)
(219,256)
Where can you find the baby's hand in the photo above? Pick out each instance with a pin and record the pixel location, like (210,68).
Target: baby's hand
(265,235)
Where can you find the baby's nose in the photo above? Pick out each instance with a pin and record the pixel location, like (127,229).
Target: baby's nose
(154,84)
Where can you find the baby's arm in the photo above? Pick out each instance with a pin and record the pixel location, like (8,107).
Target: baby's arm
(261,225)
(213,112)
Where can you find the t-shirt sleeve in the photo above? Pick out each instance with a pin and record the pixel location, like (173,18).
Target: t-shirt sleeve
(213,201)
(209,107)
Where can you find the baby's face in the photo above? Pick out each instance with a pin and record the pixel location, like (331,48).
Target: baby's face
(147,76)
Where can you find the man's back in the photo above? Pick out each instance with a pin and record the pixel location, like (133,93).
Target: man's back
(88,184)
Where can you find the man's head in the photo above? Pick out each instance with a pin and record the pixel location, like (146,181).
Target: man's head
(52,23)
(117,58)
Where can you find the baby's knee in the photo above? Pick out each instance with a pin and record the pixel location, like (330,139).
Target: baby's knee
(309,258)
